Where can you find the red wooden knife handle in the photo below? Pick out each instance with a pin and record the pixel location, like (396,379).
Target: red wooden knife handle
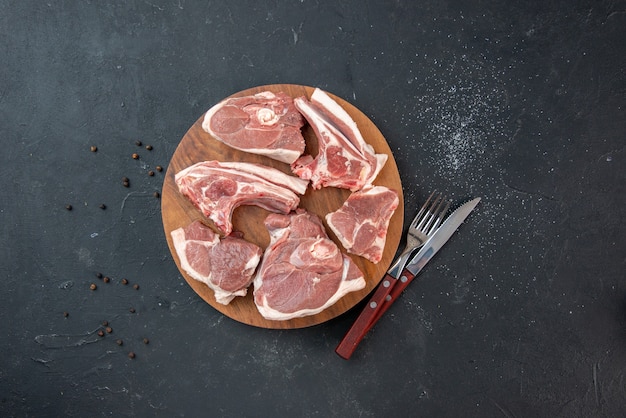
(405,278)
(360,327)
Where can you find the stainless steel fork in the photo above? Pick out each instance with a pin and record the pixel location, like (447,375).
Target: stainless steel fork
(421,228)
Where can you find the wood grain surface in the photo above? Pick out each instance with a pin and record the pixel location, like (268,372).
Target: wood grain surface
(177,211)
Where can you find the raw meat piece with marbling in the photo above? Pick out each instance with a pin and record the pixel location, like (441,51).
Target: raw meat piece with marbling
(226,265)
(362,222)
(217,188)
(344,159)
(265,123)
(303,272)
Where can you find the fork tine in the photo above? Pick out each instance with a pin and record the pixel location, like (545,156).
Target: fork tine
(422,211)
(433,214)
(440,216)
(423,225)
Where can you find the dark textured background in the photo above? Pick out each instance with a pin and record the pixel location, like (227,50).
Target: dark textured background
(521,103)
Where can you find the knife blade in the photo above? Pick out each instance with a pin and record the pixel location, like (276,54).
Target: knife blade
(359,329)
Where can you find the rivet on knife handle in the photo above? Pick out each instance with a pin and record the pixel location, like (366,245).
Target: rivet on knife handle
(401,284)
(360,327)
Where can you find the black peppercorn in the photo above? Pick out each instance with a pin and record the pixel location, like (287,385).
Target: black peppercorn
(131,355)
(136,286)
(68,207)
(101,333)
(149,147)
(105,323)
(66,314)
(151,173)
(99,275)
(94,148)
(93,286)
(132,310)
(146,341)
(109,330)
(103,206)
(159,168)
(119,342)
(106,279)
(156,194)
(138,143)
(124,281)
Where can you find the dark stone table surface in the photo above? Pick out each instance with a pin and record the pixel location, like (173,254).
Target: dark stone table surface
(522,314)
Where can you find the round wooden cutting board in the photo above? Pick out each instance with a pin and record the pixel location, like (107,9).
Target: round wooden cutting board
(177,211)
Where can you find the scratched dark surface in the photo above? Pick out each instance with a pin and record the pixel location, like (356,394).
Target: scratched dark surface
(523,313)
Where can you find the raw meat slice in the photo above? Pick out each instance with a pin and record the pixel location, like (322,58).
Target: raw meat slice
(217,188)
(266,123)
(303,272)
(344,159)
(225,265)
(361,223)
